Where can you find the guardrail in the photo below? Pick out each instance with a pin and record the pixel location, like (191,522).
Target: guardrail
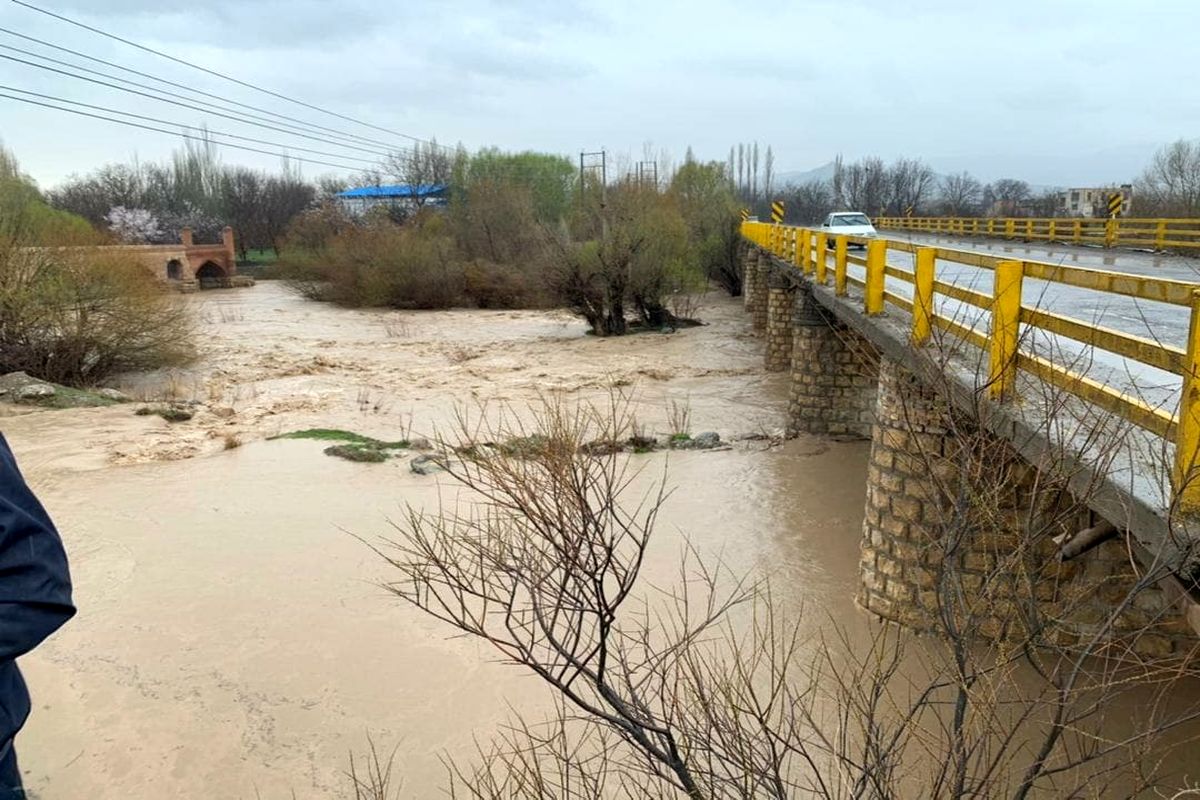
(808,251)
(1156,233)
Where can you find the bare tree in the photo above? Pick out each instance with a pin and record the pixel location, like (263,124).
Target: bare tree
(423,165)
(708,690)
(754,184)
(1009,196)
(961,195)
(810,201)
(910,185)
(839,183)
(742,182)
(768,173)
(1046,203)
(1170,185)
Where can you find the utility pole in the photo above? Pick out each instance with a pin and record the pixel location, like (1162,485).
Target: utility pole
(647,173)
(596,162)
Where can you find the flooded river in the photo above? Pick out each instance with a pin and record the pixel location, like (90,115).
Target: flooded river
(231,640)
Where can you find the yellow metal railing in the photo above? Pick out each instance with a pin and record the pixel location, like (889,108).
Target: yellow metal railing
(1156,233)
(808,251)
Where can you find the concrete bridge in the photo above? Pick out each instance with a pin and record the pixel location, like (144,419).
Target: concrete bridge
(1033,425)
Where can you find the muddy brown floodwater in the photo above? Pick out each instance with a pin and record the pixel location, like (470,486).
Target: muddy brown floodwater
(231,641)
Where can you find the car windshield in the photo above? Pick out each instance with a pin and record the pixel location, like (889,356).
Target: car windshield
(851,219)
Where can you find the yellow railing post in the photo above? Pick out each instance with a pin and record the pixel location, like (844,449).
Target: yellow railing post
(1160,234)
(923,295)
(1006,328)
(796,254)
(839,266)
(876,261)
(822,243)
(1050,235)
(1110,232)
(991,229)
(805,251)
(1010,228)
(1184,481)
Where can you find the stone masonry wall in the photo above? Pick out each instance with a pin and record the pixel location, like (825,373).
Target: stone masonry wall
(834,373)
(958,524)
(749,278)
(758,307)
(780,305)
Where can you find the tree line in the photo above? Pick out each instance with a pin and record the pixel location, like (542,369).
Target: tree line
(1169,187)
(525,230)
(909,187)
(151,203)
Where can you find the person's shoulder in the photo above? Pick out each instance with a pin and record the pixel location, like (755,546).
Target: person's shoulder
(8,461)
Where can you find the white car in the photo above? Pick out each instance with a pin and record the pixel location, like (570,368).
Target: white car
(847,223)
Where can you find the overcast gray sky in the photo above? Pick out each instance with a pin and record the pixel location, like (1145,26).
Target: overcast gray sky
(1051,91)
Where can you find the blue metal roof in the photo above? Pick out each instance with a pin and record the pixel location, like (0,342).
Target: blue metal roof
(397,190)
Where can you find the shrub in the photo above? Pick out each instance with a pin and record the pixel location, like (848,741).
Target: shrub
(415,265)
(74,315)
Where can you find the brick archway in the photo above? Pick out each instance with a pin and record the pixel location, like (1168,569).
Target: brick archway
(211,275)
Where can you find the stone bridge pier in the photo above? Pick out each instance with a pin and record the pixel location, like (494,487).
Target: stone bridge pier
(962,524)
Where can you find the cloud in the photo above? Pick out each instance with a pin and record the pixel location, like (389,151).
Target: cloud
(980,85)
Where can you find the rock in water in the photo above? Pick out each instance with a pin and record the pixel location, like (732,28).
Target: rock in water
(706,440)
(426,465)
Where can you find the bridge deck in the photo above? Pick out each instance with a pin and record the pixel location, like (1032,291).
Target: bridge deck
(1159,322)
(1096,339)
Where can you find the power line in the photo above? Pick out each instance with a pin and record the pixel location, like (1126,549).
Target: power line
(347,167)
(223,76)
(241,119)
(174,84)
(169,122)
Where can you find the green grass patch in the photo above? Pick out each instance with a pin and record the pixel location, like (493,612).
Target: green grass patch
(66,397)
(266,256)
(343,437)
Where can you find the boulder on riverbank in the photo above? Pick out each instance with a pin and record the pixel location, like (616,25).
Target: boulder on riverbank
(23,389)
(17,386)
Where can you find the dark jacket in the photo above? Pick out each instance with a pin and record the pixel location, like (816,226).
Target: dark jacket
(35,587)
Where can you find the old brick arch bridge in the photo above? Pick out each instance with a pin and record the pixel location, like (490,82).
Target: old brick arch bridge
(191,266)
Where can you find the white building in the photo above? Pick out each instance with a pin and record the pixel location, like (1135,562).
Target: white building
(1093,201)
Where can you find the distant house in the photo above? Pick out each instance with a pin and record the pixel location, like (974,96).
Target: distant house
(357,202)
(1093,201)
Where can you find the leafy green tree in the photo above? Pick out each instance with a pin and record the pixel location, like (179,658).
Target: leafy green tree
(705,196)
(548,179)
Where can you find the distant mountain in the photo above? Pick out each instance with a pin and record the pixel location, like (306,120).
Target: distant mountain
(797,177)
